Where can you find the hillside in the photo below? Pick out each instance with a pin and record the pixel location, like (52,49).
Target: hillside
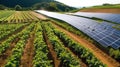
(50,5)
(105,8)
(23,3)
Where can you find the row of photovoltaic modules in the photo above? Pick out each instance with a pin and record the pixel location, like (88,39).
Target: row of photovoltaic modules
(104,16)
(104,33)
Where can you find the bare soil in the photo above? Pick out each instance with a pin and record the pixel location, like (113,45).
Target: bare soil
(95,10)
(7,53)
(39,16)
(110,62)
(28,54)
(52,52)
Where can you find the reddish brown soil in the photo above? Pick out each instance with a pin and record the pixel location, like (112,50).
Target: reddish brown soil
(52,52)
(101,10)
(110,62)
(28,54)
(7,53)
(39,16)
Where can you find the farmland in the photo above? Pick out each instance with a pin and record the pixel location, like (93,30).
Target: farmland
(17,16)
(29,39)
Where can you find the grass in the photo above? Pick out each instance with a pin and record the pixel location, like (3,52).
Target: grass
(98,20)
(93,18)
(117,27)
(107,6)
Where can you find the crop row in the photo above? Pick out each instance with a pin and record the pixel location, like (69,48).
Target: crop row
(14,59)
(7,29)
(5,14)
(110,51)
(41,50)
(17,16)
(72,29)
(66,57)
(81,51)
(21,16)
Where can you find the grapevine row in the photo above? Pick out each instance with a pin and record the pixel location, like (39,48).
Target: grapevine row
(41,50)
(81,51)
(14,60)
(66,57)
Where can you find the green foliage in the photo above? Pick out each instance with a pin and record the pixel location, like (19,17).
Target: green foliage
(8,29)
(18,7)
(17,16)
(114,53)
(75,10)
(5,14)
(107,6)
(83,52)
(67,59)
(117,26)
(80,50)
(23,3)
(72,29)
(2,7)
(14,60)
(52,6)
(41,50)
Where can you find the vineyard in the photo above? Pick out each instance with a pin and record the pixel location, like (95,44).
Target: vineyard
(29,39)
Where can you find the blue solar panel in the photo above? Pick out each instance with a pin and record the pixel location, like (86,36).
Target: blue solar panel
(103,43)
(104,33)
(105,16)
(96,38)
(110,38)
(114,46)
(118,42)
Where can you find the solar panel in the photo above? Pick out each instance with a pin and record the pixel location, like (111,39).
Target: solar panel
(104,33)
(105,16)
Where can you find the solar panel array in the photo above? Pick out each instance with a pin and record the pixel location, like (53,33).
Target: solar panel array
(104,33)
(105,16)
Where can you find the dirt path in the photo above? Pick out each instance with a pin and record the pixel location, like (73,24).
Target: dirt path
(97,52)
(52,52)
(39,15)
(7,53)
(27,58)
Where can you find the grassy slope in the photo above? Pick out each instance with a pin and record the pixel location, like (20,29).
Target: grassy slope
(108,6)
(103,9)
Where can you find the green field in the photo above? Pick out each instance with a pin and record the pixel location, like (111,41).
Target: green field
(108,6)
(27,40)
